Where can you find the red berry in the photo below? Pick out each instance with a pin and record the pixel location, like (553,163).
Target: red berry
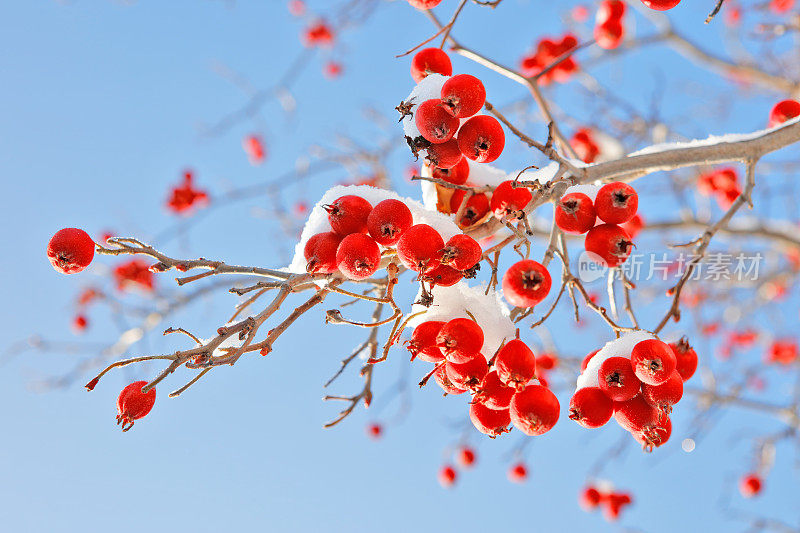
(358,256)
(783,111)
(526,283)
(492,422)
(653,361)
(609,34)
(515,364)
(590,498)
(779,7)
(70,250)
(388,221)
(634,226)
(481,138)
(80,323)
(636,415)
(374,431)
(617,379)
(445,155)
(535,410)
(493,393)
(466,457)
(318,34)
(616,203)
(518,473)
(546,361)
(434,122)
(133,404)
(419,248)
(447,476)
(508,200)
(665,395)
(320,252)
(348,214)
(575,213)
(590,407)
(463,95)
(610,244)
(583,143)
(254,148)
(457,175)
(429,61)
(134,273)
(586,360)
(750,485)
(476,208)
(443,276)
(440,375)
(460,339)
(661,5)
(657,436)
(467,375)
(610,10)
(423,342)
(461,252)
(424,4)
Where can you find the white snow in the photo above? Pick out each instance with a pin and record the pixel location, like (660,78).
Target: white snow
(489,311)
(430,88)
(620,347)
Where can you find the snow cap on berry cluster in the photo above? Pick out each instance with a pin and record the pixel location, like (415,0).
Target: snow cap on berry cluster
(621,347)
(318,218)
(588,190)
(489,312)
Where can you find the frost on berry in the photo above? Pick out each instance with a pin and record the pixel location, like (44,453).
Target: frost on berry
(463,95)
(461,252)
(653,361)
(320,252)
(460,339)
(388,221)
(358,256)
(441,378)
(481,138)
(348,214)
(526,283)
(419,248)
(467,375)
(590,407)
(575,213)
(493,393)
(434,122)
(70,250)
(133,404)
(423,342)
(492,422)
(515,364)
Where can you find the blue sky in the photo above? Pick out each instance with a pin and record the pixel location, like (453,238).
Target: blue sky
(105,104)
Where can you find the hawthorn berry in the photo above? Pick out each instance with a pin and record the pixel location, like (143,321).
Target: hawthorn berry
(661,5)
(358,256)
(636,415)
(430,61)
(515,364)
(423,342)
(477,206)
(492,422)
(80,323)
(575,213)
(610,10)
(348,214)
(609,34)
(582,141)
(70,250)
(467,375)
(461,252)
(419,248)
(750,485)
(617,379)
(616,203)
(133,404)
(481,138)
(254,148)
(535,410)
(443,276)
(460,339)
(653,361)
(134,273)
(613,505)
(463,95)
(493,393)
(447,476)
(440,376)
(526,283)
(320,252)
(435,124)
(657,437)
(609,243)
(665,395)
(633,226)
(586,360)
(590,498)
(590,407)
(318,34)
(456,175)
(518,473)
(508,200)
(783,111)
(466,457)
(374,430)
(388,220)
(444,155)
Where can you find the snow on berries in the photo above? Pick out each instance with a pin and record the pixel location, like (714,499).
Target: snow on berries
(534,410)
(515,364)
(133,404)
(70,250)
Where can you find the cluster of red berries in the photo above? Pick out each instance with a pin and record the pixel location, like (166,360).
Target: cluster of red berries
(783,111)
(465,458)
(616,203)
(254,148)
(359,230)
(133,404)
(547,51)
(612,502)
(184,197)
(722,184)
(582,141)
(638,391)
(318,34)
(134,273)
(501,390)
(609,30)
(661,5)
